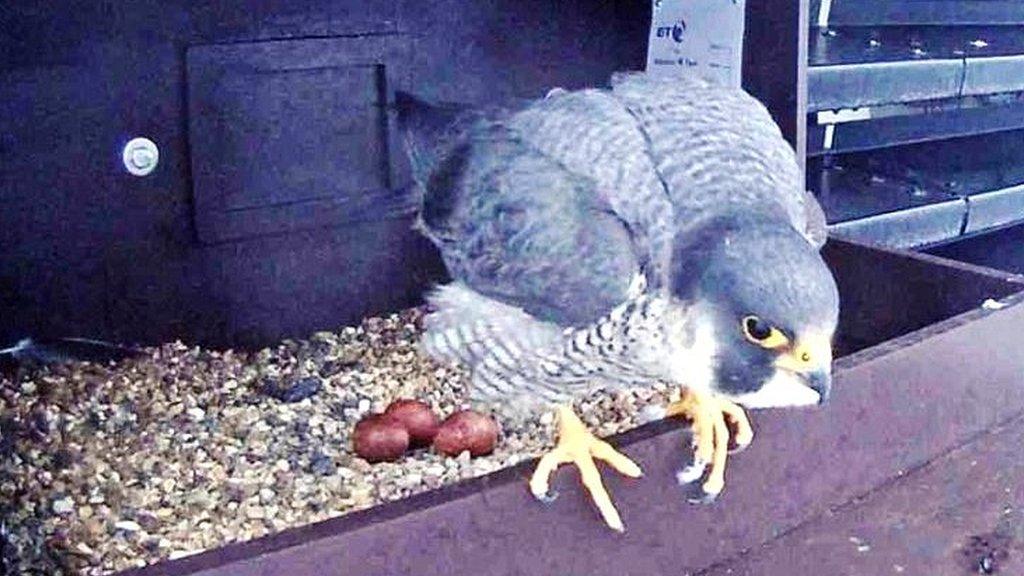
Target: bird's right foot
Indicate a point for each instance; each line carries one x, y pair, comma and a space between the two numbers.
577, 445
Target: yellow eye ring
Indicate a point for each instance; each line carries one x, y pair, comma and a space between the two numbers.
763, 334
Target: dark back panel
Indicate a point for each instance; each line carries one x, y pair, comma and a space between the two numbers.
89, 250
276, 208
288, 135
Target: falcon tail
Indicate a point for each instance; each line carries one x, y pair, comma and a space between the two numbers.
469, 328
427, 131
431, 130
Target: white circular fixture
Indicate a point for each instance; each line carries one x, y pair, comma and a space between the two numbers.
140, 156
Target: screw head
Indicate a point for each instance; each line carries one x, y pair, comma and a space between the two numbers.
140, 156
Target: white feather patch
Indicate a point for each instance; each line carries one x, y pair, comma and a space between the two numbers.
637, 286
783, 389
693, 365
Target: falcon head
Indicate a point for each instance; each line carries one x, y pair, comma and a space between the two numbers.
772, 305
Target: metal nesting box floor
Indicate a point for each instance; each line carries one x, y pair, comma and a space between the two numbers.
912, 468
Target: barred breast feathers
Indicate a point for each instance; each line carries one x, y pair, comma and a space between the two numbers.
515, 357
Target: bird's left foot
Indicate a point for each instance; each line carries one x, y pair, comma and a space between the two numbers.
711, 436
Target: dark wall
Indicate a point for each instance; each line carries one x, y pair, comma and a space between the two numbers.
88, 249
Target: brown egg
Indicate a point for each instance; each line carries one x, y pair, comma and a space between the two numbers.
380, 438
417, 418
467, 430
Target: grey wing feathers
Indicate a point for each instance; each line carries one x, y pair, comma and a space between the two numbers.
430, 130
594, 135
515, 225
546, 214
553, 207
711, 143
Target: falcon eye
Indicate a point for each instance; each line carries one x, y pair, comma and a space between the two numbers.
763, 334
756, 328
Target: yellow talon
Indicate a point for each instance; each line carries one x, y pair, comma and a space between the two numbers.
577, 445
743, 434
707, 415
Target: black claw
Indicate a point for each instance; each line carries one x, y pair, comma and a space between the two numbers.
549, 497
695, 494
693, 471
737, 448
699, 496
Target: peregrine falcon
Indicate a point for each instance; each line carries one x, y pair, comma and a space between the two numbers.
654, 230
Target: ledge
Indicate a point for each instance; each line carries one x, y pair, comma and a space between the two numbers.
898, 404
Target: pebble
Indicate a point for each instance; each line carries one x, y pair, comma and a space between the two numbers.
362, 495
410, 480
323, 465
650, 413
127, 525
292, 392
174, 453
176, 554
63, 506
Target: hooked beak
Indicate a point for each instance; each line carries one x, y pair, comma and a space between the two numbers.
802, 377
821, 382
811, 361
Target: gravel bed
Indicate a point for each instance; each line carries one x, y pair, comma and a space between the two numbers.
104, 468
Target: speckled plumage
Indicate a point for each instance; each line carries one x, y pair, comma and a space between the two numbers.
547, 213
519, 359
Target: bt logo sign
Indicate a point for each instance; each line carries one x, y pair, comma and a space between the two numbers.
675, 32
